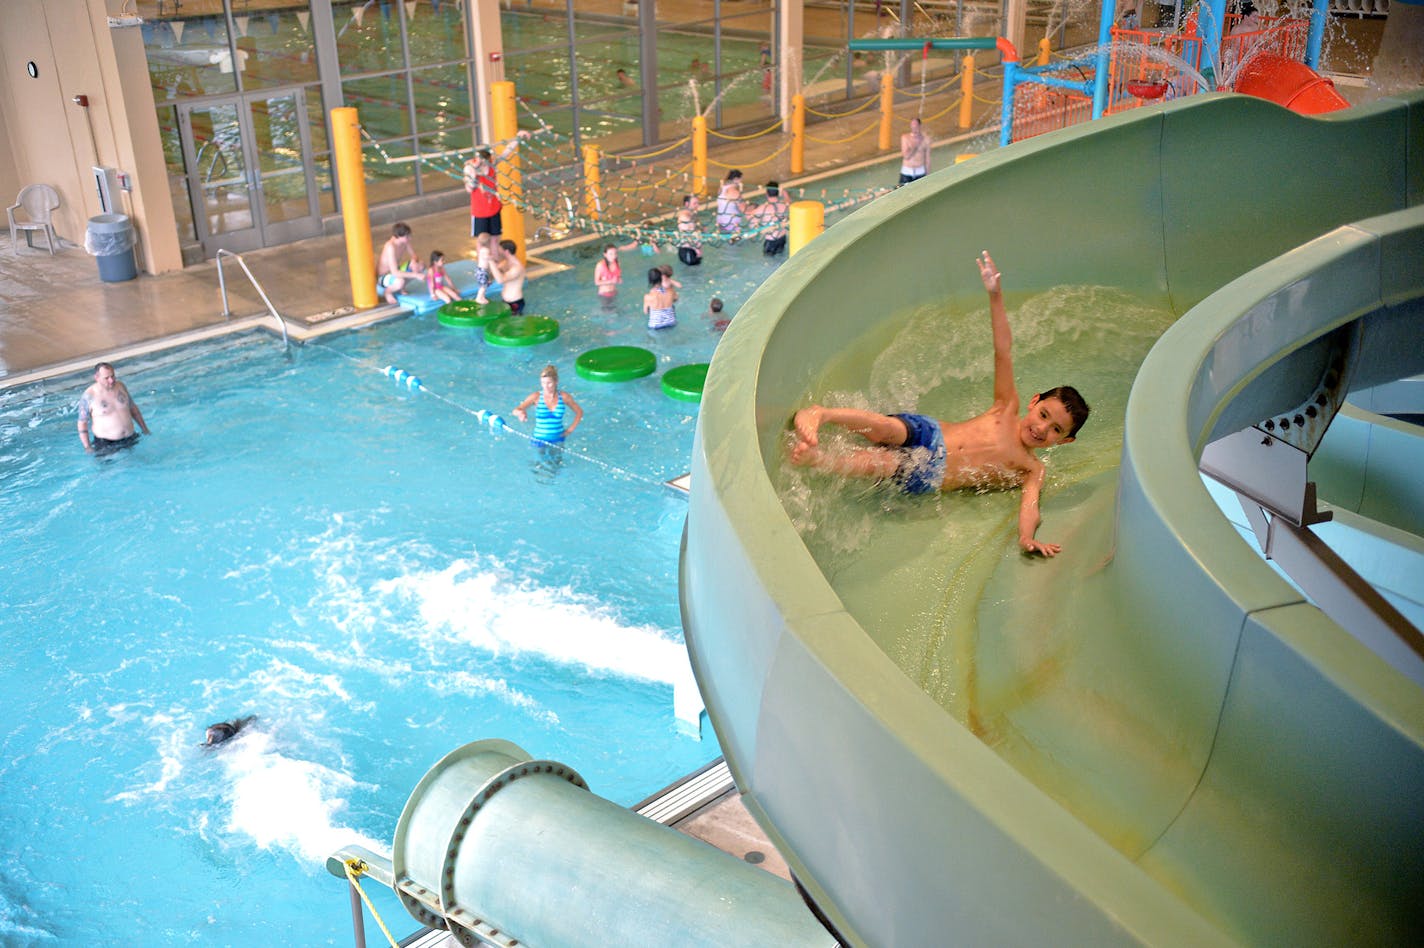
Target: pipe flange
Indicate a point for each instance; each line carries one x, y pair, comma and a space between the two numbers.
528, 768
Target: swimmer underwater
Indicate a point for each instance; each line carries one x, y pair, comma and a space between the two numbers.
996, 450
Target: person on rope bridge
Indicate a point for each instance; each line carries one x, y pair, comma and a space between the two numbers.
771, 218
689, 235
729, 203
482, 183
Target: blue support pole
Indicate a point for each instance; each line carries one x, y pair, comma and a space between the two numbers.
1006, 112
1318, 13
1209, 22
1100, 70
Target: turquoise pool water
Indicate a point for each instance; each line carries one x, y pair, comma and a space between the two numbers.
370, 570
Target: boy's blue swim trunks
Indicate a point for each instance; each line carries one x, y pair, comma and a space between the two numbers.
922, 460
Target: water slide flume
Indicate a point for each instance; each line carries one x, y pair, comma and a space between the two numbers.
1212, 760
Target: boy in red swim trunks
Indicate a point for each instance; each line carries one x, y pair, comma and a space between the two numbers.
994, 450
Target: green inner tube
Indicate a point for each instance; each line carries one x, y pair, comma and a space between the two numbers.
521, 330
685, 382
615, 364
470, 313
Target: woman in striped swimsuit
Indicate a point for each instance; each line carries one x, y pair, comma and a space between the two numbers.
659, 302
550, 407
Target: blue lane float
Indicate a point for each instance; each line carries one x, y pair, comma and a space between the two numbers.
495, 422
402, 377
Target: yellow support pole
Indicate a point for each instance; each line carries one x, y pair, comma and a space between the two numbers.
504, 115
592, 181
699, 155
887, 108
351, 178
966, 92
1044, 48
807, 221
798, 134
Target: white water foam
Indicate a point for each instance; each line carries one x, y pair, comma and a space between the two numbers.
491, 610
287, 803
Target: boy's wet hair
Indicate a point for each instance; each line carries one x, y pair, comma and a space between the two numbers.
666, 269
716, 305
400, 229
772, 189
509, 246
1074, 403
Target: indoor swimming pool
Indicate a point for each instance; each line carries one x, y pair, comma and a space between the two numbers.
370, 570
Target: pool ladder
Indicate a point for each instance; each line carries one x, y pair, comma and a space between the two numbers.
227, 310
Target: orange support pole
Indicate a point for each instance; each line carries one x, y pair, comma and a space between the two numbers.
592, 181
798, 134
505, 118
699, 155
887, 108
355, 217
806, 221
966, 92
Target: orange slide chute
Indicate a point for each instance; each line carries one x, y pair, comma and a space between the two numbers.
1289, 83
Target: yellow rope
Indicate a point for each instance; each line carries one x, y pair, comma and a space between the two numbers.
745, 138
915, 95
947, 109
980, 98
839, 141
743, 164
354, 869
652, 154
835, 115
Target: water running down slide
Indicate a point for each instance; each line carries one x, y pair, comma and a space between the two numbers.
1193, 753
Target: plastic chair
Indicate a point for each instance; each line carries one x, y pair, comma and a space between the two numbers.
38, 201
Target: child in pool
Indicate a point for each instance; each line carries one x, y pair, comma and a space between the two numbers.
994, 450
437, 281
482, 268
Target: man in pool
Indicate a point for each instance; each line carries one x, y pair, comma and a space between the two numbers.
994, 450
224, 731
107, 413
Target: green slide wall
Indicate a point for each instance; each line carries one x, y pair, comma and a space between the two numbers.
1263, 776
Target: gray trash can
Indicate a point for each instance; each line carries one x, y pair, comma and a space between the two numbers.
110, 238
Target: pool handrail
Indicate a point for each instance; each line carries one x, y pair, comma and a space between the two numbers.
222, 288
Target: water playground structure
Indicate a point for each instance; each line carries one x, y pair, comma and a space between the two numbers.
589, 189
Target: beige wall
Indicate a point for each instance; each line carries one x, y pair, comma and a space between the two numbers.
10, 183
49, 139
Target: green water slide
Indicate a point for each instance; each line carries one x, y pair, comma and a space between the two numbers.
1153, 737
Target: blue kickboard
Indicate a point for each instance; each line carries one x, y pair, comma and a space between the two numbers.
418, 300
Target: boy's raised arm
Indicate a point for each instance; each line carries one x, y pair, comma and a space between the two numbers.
1005, 393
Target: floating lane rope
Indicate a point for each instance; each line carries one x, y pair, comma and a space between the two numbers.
403, 377
492, 420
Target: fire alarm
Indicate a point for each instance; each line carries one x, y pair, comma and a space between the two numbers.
496, 56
